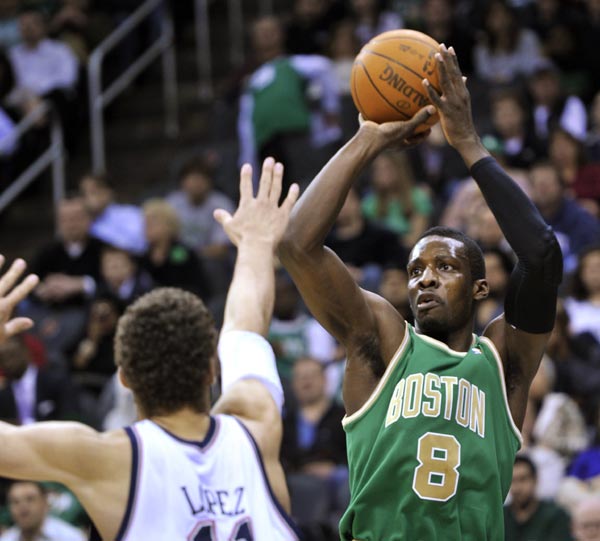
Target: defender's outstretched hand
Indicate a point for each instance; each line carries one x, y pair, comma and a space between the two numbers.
10, 296
260, 218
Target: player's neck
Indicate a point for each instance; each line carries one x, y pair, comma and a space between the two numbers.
460, 340
186, 423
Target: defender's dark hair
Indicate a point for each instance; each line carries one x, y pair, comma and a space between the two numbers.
474, 253
164, 345
524, 459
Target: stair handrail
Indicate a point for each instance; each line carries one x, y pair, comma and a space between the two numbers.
99, 99
53, 156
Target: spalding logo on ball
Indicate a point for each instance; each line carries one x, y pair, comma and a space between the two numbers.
387, 74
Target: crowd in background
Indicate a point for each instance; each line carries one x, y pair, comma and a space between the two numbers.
534, 76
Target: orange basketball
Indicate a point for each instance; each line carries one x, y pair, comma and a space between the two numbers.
387, 74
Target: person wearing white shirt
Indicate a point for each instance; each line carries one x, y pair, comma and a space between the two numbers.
46, 68
28, 504
41, 64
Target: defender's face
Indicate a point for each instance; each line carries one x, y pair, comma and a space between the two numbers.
439, 285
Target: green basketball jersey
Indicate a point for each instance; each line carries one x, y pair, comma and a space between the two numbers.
431, 452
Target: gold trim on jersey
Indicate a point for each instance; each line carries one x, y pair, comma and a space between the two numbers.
386, 375
496, 355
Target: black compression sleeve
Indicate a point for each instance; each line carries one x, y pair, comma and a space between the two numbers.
530, 303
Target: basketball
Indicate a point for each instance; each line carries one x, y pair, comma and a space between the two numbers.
387, 73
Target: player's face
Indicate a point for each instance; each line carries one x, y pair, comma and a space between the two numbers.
522, 488
28, 506
440, 288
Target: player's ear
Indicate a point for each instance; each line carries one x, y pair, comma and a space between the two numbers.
122, 378
481, 289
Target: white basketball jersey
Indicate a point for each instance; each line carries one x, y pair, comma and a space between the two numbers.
214, 490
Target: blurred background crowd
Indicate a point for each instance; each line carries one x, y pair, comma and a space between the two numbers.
533, 71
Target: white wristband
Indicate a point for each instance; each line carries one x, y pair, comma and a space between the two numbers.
247, 355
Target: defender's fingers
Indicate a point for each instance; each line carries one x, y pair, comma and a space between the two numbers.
18, 325
434, 97
221, 216
245, 183
11, 276
277, 182
291, 198
266, 178
453, 64
22, 290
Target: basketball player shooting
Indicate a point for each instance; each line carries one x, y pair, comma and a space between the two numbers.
433, 411
181, 472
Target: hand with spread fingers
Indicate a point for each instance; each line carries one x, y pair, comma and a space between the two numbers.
454, 107
12, 294
260, 219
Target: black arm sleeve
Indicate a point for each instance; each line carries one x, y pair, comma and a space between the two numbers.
530, 303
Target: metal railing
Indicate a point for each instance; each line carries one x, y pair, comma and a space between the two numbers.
53, 156
235, 15
99, 99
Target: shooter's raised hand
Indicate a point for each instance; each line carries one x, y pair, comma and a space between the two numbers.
11, 295
261, 218
454, 104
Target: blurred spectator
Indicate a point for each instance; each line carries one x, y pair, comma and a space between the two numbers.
438, 20
505, 51
33, 393
498, 267
393, 287
519, 146
396, 201
314, 442
195, 202
93, 363
117, 405
436, 163
593, 137
558, 25
586, 520
343, 48
293, 333
552, 107
65, 506
275, 117
583, 477
307, 30
28, 504
46, 68
9, 24
372, 19
169, 262
567, 153
574, 227
578, 376
69, 23
121, 276
69, 267
362, 245
527, 518
583, 305
313, 450
589, 44
121, 226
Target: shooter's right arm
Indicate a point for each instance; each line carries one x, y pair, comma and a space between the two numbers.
327, 287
